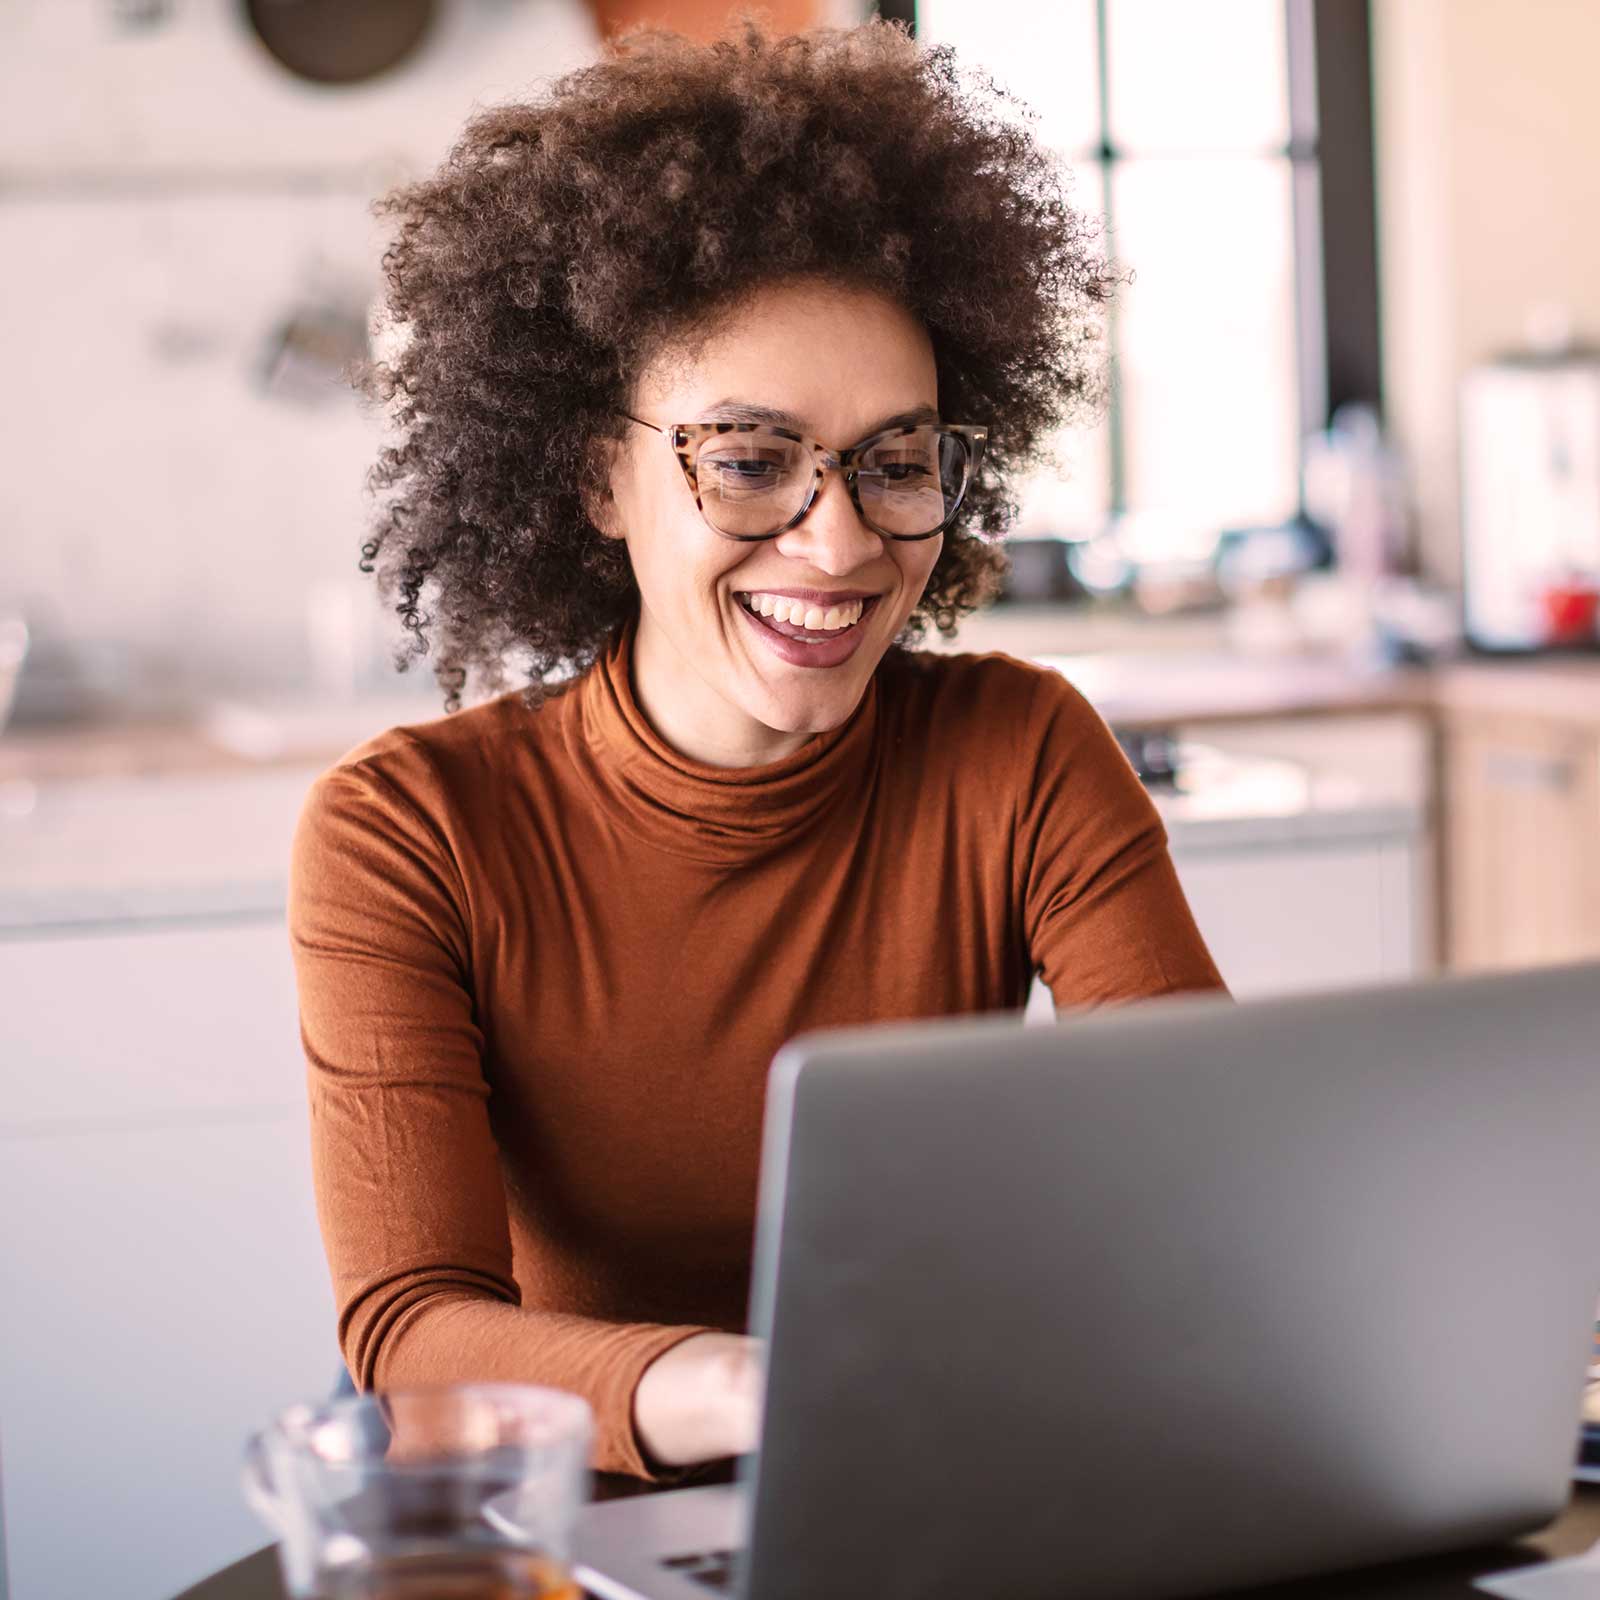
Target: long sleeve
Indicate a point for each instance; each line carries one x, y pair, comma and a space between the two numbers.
1105, 916
410, 1195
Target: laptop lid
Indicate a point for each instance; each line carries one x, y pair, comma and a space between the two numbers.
1175, 1296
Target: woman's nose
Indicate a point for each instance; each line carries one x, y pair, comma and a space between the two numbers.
831, 535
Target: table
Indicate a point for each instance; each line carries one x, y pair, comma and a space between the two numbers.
1431, 1578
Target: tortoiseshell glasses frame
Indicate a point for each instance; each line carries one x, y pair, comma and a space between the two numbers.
687, 437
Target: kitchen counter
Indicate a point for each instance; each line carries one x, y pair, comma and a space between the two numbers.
89, 835
1566, 690
1137, 691
233, 736
216, 844
1228, 800
202, 842
167, 847
1130, 688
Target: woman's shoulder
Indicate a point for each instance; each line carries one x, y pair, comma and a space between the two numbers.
441, 769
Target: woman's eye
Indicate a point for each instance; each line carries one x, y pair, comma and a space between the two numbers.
745, 471
902, 471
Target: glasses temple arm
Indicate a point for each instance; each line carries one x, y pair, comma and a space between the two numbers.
640, 420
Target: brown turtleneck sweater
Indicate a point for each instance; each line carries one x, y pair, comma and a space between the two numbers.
544, 962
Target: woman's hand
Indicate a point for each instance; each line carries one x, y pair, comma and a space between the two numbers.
701, 1399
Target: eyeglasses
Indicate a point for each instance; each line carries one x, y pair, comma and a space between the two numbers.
755, 480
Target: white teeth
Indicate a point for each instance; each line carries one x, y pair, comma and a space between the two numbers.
801, 615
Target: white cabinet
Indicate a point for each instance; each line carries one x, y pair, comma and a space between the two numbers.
1294, 916
162, 1284
150, 1024
1287, 919
1330, 884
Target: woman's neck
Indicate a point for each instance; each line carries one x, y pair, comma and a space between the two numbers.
691, 716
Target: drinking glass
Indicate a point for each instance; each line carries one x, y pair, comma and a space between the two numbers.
462, 1492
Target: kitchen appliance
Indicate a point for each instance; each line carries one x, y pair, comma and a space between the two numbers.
1530, 502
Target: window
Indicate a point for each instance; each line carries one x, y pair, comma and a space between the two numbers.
1221, 145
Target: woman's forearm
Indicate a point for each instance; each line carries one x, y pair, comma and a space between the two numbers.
459, 1338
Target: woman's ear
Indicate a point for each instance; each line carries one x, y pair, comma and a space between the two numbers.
594, 489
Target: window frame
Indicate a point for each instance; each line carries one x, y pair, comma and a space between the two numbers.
1333, 210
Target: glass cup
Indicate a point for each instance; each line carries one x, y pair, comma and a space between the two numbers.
466, 1492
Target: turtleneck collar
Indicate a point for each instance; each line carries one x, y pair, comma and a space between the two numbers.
729, 816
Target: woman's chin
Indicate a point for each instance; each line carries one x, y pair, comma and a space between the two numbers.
813, 711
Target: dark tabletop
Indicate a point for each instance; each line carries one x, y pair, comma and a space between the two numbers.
1432, 1578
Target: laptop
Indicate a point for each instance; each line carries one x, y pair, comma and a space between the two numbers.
1161, 1299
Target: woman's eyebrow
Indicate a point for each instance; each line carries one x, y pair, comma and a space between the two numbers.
741, 411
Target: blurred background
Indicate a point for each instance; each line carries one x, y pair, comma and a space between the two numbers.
1329, 564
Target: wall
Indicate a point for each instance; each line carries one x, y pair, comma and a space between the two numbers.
1487, 122
168, 196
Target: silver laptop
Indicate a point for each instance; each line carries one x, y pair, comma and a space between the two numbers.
1161, 1299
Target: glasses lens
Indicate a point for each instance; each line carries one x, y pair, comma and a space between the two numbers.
911, 482
751, 483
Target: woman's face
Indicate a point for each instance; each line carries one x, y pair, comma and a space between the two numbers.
716, 682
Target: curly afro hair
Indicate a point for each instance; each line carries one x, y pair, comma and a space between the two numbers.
563, 244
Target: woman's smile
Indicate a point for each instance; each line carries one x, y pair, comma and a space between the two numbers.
808, 628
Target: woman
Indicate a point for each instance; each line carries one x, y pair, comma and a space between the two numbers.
714, 369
